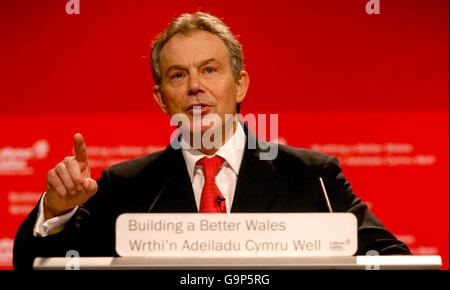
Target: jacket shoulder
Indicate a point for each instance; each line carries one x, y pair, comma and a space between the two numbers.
135, 166
303, 156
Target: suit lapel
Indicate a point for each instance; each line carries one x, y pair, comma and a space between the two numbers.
176, 194
255, 188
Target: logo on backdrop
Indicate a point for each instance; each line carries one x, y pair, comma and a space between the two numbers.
15, 160
22, 202
6, 249
388, 154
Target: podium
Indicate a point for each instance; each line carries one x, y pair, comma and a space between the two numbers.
243, 263
282, 241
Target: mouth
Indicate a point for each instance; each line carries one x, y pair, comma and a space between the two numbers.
199, 108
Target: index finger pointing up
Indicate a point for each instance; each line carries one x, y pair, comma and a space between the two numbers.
80, 148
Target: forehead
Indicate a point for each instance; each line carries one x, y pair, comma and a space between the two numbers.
196, 46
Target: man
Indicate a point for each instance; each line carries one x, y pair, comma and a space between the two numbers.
198, 70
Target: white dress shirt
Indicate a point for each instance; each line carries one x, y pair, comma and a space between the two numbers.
232, 151
54, 225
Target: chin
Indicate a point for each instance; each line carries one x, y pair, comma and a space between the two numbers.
203, 129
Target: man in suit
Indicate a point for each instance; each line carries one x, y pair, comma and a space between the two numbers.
198, 70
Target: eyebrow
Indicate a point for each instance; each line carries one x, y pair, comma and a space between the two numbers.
199, 64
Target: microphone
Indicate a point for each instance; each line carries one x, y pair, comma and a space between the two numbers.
219, 201
325, 195
158, 196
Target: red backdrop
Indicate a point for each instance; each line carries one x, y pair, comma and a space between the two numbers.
370, 89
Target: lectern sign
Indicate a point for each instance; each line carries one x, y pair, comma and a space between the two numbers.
236, 235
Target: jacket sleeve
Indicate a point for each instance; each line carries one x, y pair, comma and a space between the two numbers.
86, 232
372, 235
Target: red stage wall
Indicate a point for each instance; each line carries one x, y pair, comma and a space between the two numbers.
370, 89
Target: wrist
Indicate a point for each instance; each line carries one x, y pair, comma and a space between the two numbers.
50, 212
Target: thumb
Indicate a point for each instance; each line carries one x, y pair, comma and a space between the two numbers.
90, 185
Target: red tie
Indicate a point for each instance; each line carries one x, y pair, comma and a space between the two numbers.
211, 195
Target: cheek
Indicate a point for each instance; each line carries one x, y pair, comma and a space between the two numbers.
173, 100
225, 94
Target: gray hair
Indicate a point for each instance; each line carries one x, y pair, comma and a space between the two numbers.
187, 23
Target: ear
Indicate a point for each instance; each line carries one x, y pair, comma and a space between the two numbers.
159, 98
242, 86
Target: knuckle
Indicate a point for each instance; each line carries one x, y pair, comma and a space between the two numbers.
60, 167
69, 185
50, 174
78, 180
74, 163
53, 180
67, 159
61, 191
56, 183
75, 173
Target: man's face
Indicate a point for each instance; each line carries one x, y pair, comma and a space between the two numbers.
196, 71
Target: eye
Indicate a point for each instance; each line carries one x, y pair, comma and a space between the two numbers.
178, 75
210, 70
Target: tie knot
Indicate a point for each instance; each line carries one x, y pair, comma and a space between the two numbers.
210, 165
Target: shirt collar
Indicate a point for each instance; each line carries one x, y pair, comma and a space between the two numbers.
232, 151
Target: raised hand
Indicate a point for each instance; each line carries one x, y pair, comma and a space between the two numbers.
69, 183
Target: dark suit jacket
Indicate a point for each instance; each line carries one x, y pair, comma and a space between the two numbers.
160, 182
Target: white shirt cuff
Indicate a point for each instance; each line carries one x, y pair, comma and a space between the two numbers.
54, 225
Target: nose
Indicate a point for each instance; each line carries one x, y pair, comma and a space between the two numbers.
195, 85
